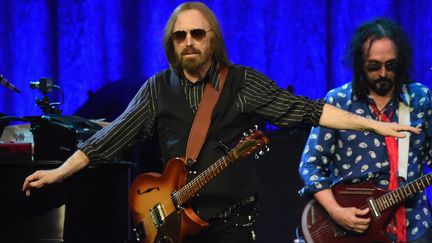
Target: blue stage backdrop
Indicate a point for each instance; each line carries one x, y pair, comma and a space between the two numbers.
85, 44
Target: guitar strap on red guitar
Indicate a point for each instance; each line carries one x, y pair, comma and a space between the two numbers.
202, 118
392, 151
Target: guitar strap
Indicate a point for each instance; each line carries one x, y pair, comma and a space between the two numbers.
403, 143
202, 120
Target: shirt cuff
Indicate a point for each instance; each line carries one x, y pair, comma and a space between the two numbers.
315, 110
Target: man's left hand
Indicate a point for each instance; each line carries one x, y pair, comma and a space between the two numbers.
394, 129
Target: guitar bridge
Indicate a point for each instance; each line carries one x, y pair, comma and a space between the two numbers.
157, 215
376, 214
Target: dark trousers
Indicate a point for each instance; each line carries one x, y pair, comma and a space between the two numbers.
230, 230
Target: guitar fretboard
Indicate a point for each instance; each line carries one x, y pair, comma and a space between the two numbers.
192, 188
394, 197
241, 150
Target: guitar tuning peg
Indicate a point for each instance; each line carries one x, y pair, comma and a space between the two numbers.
267, 148
245, 134
256, 156
255, 127
261, 152
251, 131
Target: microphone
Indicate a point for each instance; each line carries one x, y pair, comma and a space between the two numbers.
45, 85
8, 84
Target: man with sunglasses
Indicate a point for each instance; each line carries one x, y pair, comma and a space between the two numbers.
167, 103
381, 89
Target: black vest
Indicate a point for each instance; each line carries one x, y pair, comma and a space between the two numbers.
174, 119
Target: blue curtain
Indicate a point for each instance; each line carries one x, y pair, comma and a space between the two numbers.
85, 44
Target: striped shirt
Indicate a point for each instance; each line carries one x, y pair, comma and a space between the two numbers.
258, 96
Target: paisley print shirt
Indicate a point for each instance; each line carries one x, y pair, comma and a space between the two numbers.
332, 156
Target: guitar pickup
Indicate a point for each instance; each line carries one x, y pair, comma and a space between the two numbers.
157, 215
376, 214
174, 199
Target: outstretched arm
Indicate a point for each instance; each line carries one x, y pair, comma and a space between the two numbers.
44, 177
334, 117
137, 119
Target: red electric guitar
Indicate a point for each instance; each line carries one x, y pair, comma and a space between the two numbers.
318, 227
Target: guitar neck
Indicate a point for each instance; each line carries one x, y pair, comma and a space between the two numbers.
191, 188
394, 197
244, 148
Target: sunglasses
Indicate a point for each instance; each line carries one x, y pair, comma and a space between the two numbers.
376, 66
197, 34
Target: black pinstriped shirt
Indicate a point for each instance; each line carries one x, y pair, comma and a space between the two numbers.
258, 96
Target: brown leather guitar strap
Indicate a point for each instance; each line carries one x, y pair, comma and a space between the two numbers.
202, 118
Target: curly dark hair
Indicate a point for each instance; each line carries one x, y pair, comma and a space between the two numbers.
355, 54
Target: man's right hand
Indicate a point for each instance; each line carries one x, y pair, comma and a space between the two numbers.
350, 218
41, 178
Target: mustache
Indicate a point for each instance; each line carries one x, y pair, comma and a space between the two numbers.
381, 86
190, 50
383, 80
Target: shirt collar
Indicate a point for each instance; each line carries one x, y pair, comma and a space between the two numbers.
393, 103
404, 95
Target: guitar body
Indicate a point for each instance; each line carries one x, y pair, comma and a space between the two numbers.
318, 227
159, 203
155, 215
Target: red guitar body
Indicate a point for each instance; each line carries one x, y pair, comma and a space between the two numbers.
318, 227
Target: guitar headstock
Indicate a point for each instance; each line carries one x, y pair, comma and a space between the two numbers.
253, 142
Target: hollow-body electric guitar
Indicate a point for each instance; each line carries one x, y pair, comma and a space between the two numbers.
318, 227
159, 203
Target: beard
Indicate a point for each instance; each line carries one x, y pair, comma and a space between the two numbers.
381, 86
193, 65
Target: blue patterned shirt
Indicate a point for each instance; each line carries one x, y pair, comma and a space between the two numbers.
331, 156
